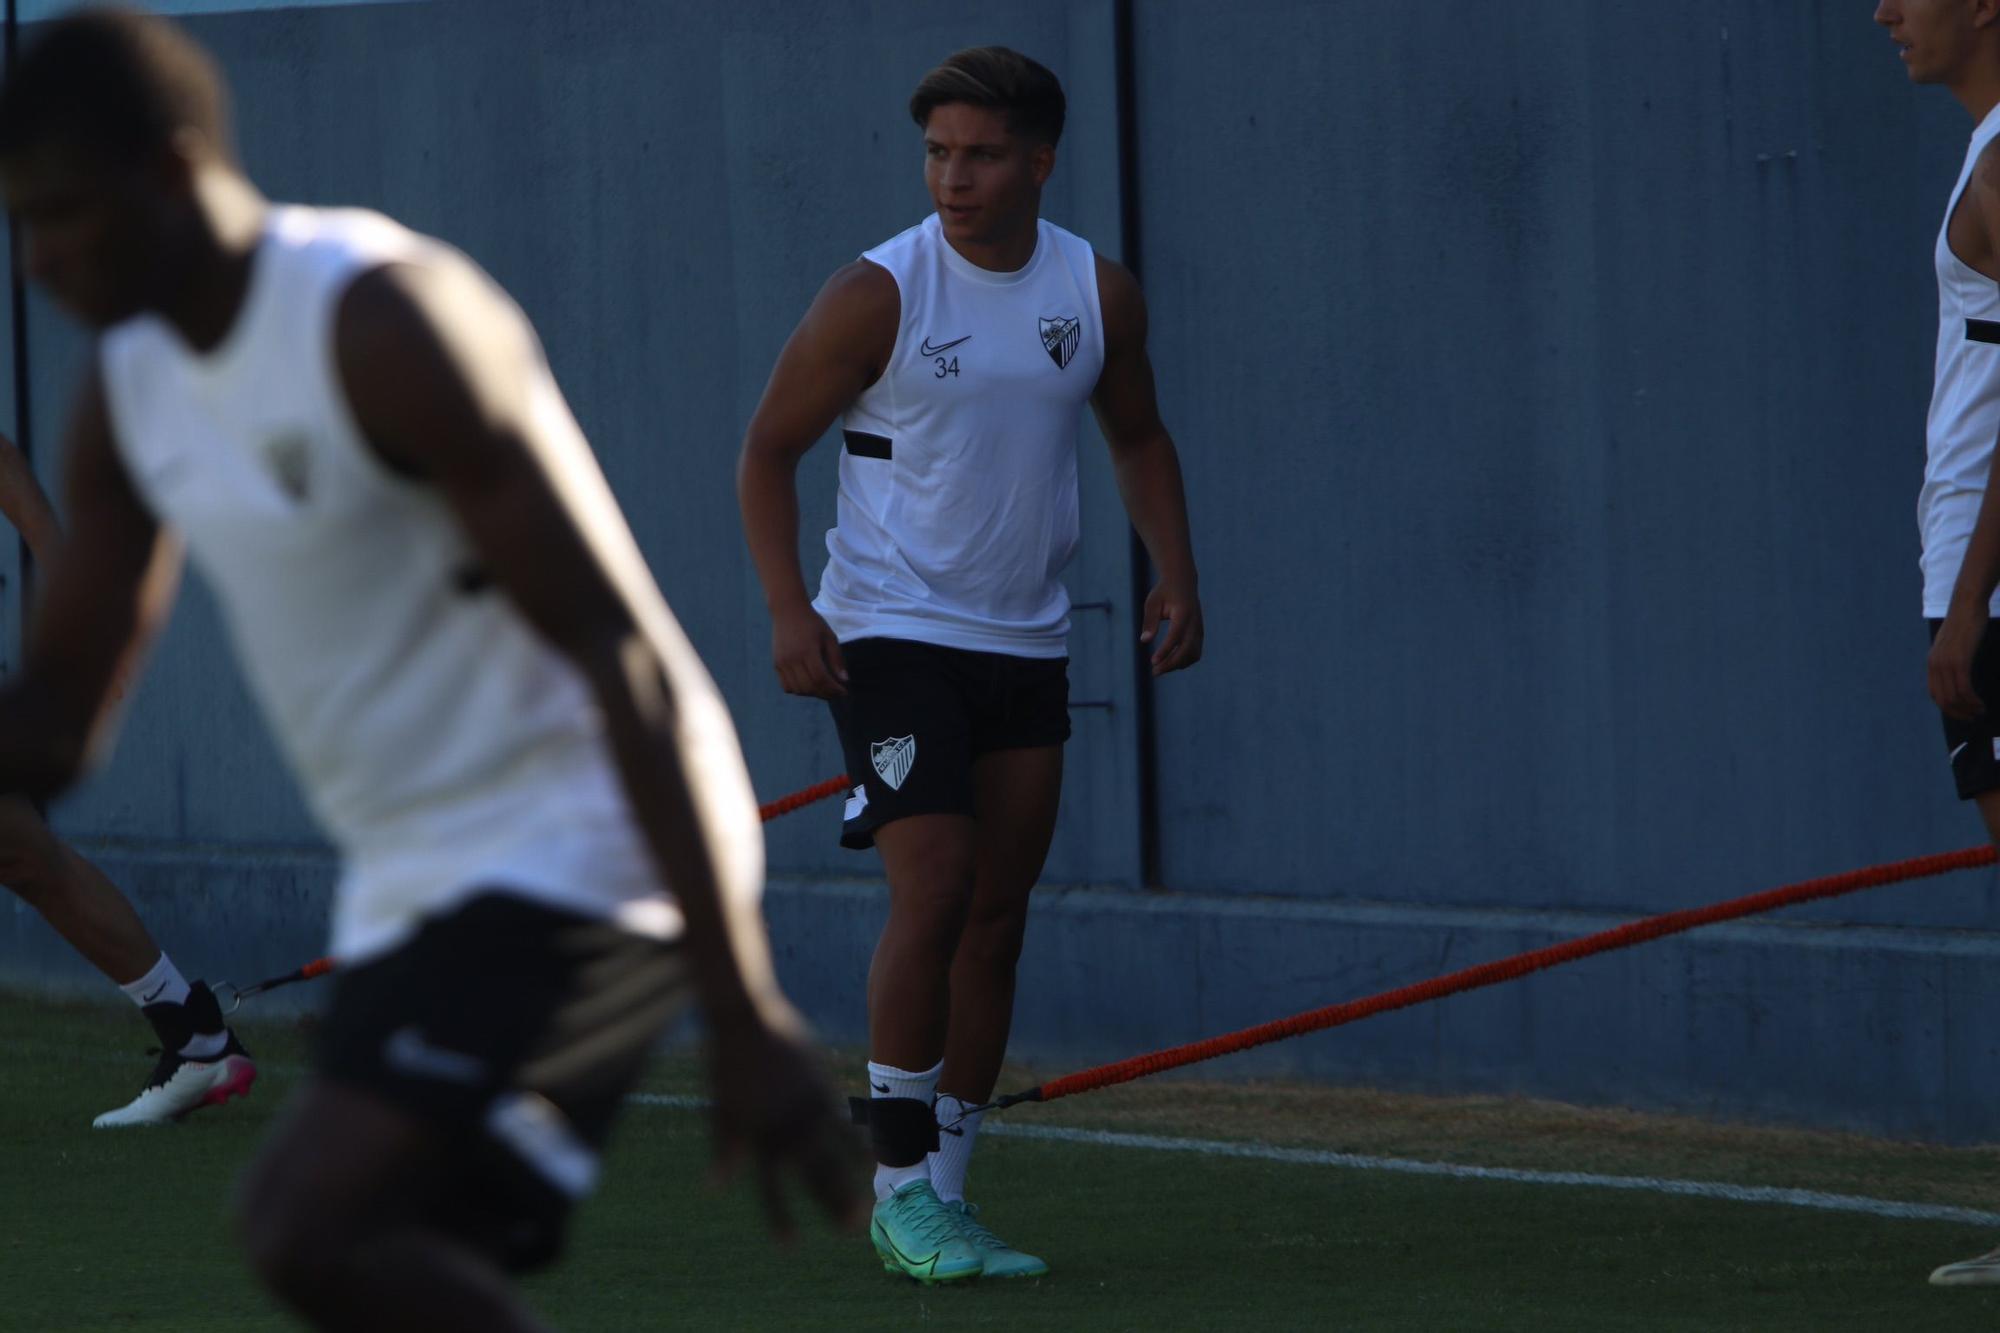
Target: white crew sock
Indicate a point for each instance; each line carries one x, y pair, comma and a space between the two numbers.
956, 1132
884, 1083
163, 985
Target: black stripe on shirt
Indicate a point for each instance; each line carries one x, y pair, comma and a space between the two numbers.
863, 445
1982, 330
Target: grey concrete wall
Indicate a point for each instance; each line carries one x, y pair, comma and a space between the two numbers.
1550, 380
664, 188
1570, 371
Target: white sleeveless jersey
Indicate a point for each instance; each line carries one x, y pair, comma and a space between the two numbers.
1965, 402
958, 501
442, 744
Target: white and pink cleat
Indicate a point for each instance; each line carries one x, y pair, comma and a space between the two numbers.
188, 1077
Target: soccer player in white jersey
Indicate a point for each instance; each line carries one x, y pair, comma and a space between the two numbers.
460, 648
201, 1062
959, 357
1956, 43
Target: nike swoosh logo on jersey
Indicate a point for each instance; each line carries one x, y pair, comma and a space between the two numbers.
1955, 749
942, 348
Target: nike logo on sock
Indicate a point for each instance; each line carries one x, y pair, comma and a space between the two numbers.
882, 1088
156, 993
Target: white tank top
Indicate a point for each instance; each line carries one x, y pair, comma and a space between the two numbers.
958, 502
441, 743
1965, 402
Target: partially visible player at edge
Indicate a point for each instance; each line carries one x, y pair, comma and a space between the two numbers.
959, 356
1957, 43
201, 1062
459, 646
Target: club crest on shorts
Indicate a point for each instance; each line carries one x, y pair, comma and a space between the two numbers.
894, 758
1061, 336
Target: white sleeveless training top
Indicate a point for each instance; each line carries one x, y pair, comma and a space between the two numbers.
1965, 402
958, 502
442, 744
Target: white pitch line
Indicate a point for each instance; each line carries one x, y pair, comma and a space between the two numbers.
1265, 1152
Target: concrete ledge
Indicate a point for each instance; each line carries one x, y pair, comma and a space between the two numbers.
1869, 1028
223, 912
1865, 1028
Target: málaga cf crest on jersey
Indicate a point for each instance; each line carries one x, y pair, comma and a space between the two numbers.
1061, 335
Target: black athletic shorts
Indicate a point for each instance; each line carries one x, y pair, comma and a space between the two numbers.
517, 1029
916, 715
1974, 746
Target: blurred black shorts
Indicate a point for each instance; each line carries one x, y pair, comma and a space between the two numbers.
517, 1029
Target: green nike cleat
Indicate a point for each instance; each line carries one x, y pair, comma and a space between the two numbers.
997, 1258
917, 1235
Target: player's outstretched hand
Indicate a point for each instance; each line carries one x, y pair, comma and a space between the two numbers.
1949, 667
1179, 605
776, 1114
806, 653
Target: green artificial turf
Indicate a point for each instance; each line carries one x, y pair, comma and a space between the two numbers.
127, 1230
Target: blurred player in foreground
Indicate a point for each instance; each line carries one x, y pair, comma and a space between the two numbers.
958, 357
1956, 43
460, 648
201, 1063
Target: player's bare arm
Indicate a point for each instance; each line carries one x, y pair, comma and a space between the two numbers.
1148, 470
838, 350
102, 602
430, 359
1975, 237
25, 504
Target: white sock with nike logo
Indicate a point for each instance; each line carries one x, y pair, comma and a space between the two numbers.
884, 1083
163, 985
956, 1131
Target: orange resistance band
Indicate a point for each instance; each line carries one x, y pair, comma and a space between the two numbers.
799, 800
319, 967
1504, 969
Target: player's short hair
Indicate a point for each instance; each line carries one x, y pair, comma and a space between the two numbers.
997, 77
115, 83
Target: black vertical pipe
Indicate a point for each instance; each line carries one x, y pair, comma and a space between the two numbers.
1129, 240
17, 303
